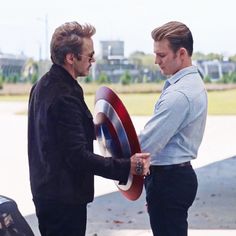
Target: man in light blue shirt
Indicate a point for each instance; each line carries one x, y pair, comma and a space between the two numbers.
174, 133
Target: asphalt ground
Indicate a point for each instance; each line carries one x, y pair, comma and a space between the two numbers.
213, 212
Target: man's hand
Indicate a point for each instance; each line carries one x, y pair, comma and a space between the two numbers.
140, 163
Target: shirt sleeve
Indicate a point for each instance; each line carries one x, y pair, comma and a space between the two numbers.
170, 112
72, 141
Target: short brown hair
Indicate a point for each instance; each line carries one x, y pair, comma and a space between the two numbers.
178, 35
68, 38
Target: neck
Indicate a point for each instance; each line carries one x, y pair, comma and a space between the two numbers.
186, 63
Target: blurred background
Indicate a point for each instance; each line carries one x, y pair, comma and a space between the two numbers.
125, 63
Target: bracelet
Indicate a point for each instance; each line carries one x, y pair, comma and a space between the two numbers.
139, 168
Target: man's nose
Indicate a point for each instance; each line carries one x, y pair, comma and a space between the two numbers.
157, 61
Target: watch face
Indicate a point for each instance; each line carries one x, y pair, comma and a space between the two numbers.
116, 136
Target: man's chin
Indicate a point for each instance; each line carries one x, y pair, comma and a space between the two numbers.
165, 73
85, 74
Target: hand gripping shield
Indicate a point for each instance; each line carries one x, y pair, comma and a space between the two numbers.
116, 136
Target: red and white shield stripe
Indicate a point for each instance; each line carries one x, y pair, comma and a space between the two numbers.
116, 135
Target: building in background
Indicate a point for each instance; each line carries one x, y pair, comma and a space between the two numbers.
112, 62
112, 50
215, 69
12, 64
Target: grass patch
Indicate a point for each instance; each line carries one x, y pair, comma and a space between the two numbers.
222, 102
219, 102
142, 104
91, 88
139, 104
14, 98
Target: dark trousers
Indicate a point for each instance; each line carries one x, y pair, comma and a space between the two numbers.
56, 219
169, 194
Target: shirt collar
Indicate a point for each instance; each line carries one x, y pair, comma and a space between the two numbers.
181, 73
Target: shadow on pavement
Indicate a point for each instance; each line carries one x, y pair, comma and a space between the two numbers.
214, 207
215, 204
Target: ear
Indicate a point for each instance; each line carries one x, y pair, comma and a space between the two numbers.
182, 52
69, 58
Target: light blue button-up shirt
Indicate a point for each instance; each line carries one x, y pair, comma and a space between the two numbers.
175, 131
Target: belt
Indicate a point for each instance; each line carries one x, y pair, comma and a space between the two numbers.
169, 167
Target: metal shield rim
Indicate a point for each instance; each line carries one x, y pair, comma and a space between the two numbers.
107, 94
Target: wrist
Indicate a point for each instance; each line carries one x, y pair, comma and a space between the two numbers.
139, 167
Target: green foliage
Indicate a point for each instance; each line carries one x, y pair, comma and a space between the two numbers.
1, 81
103, 78
34, 78
225, 79
233, 77
228, 78
207, 79
207, 57
126, 78
88, 79
198, 56
233, 58
214, 56
14, 78
140, 59
145, 79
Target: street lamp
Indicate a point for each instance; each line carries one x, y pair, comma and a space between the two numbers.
45, 21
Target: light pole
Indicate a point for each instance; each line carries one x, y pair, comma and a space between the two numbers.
45, 21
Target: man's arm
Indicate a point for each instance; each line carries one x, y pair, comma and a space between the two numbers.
170, 112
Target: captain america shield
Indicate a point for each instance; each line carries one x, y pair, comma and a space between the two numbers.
116, 136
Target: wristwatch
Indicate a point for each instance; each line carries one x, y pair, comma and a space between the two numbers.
139, 168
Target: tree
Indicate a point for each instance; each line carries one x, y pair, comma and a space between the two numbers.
207, 57
198, 56
233, 58
140, 59
31, 71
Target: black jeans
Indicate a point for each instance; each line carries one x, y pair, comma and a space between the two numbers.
56, 219
169, 194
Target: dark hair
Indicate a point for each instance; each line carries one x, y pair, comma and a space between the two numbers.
68, 38
178, 35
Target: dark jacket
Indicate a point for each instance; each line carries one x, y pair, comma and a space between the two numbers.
60, 142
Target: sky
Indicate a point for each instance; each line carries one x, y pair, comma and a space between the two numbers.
27, 25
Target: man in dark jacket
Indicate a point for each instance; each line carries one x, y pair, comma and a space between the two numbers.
60, 138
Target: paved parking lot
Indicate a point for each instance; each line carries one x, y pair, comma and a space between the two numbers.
215, 165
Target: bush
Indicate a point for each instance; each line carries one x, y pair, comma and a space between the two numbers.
233, 77
34, 78
225, 79
88, 79
126, 78
207, 79
103, 79
1, 81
